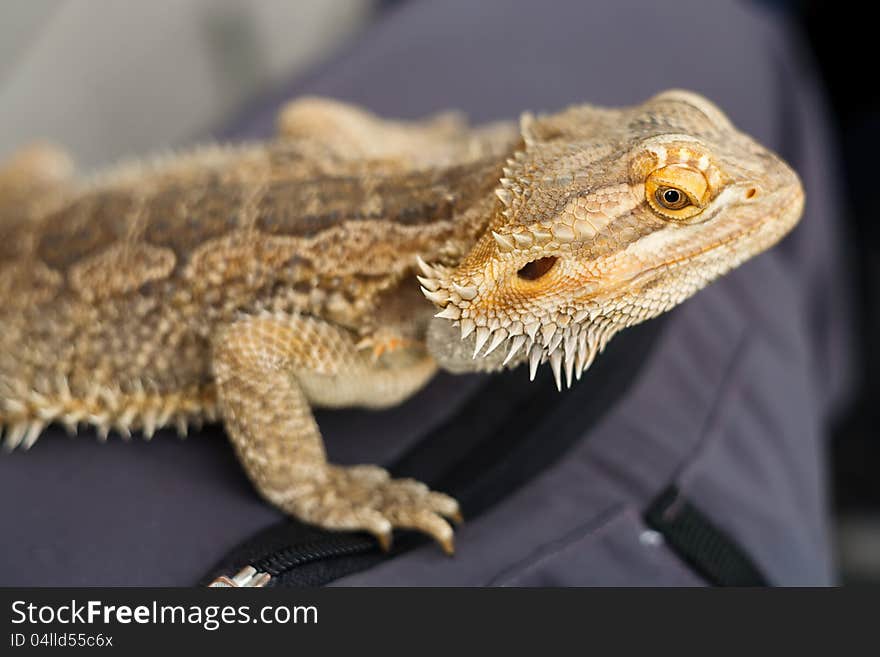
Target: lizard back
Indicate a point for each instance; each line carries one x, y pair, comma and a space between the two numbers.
115, 287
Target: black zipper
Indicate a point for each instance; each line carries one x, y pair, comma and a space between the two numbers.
286, 559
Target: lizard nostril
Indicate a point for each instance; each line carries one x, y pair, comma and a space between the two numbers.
751, 192
535, 269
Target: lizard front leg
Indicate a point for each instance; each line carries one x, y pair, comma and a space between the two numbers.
267, 370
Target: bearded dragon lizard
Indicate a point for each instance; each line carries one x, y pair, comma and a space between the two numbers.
249, 284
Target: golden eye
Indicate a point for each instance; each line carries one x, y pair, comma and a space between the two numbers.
671, 198
677, 192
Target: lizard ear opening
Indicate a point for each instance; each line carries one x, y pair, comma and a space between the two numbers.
535, 269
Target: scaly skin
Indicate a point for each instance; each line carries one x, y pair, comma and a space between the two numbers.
250, 284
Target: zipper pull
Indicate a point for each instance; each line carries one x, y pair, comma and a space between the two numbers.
247, 577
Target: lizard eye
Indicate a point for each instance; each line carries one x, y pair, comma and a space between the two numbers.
671, 198
677, 192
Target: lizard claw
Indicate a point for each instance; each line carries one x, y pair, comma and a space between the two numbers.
367, 498
385, 539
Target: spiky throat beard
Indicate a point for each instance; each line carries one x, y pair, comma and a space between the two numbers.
567, 338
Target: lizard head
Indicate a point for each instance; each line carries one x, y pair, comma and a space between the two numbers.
605, 218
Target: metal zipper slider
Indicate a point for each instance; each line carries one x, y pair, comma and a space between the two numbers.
247, 577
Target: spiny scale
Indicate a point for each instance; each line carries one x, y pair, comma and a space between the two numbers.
515, 345
565, 343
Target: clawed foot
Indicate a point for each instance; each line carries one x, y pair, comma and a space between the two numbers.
365, 497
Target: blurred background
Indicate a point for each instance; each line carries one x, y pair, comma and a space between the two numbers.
152, 75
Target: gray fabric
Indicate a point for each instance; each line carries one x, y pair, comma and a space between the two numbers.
730, 405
